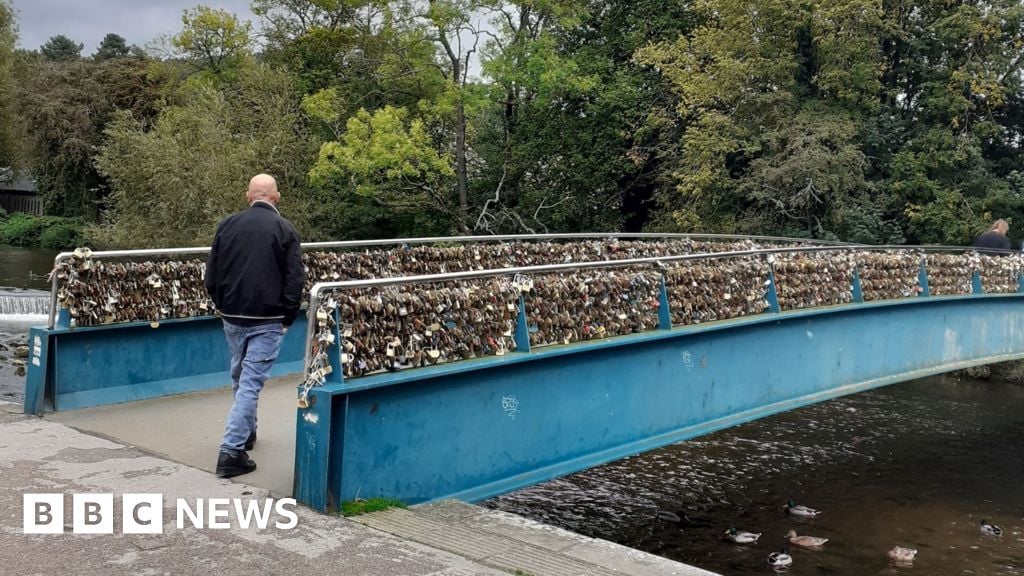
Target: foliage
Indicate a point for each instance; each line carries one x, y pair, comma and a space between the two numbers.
360, 507
60, 48
213, 39
172, 180
8, 125
52, 232
112, 46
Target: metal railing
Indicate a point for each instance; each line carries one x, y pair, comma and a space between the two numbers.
318, 288
342, 244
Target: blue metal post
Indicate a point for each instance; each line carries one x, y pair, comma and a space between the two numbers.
522, 333
63, 318
313, 450
1020, 283
858, 291
922, 279
976, 283
37, 370
664, 313
772, 295
334, 352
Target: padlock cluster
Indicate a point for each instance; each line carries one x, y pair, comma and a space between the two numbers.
889, 275
709, 290
591, 304
809, 280
1001, 274
104, 292
951, 274
409, 326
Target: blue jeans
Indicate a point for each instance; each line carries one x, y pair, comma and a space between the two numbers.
253, 351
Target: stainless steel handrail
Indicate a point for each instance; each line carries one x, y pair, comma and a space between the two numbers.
314, 293
55, 284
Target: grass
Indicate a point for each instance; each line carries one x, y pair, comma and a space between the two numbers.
359, 507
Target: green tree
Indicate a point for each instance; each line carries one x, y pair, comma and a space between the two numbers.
61, 48
112, 46
9, 139
213, 39
173, 179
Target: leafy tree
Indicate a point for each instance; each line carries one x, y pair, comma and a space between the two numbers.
61, 48
8, 122
213, 39
173, 179
112, 46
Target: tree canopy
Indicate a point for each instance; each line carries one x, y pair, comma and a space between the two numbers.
861, 120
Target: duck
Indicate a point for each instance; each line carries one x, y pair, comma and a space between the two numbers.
793, 509
902, 555
805, 541
990, 529
780, 559
740, 536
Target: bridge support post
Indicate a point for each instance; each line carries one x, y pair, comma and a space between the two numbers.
772, 295
63, 318
522, 333
976, 283
857, 290
922, 278
664, 313
313, 471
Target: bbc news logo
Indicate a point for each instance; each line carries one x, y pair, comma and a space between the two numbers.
144, 513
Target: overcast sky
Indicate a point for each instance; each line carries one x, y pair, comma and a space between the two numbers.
88, 21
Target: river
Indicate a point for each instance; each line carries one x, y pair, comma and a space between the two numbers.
24, 301
917, 464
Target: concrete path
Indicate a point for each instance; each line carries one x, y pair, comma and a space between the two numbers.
188, 429
446, 538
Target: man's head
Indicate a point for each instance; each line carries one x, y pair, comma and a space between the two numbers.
1000, 226
263, 187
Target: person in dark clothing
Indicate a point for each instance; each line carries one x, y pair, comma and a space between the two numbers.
254, 276
994, 240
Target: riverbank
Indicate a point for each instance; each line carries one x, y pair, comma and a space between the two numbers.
13, 362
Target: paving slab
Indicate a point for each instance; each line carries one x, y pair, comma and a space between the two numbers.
188, 429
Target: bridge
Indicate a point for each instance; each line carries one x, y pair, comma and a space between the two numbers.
657, 349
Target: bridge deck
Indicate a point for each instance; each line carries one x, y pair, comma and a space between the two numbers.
188, 428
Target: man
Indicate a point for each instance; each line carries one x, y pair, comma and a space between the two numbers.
994, 240
255, 277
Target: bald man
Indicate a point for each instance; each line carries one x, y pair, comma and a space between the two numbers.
254, 276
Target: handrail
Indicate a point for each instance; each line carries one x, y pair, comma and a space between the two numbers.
55, 284
314, 293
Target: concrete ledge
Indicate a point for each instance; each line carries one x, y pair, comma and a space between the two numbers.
518, 545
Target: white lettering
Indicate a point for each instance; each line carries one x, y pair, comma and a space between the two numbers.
195, 517
246, 515
279, 506
214, 512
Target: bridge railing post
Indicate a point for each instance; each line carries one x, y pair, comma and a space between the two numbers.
1020, 283
976, 286
857, 290
522, 332
334, 355
773, 294
664, 312
922, 278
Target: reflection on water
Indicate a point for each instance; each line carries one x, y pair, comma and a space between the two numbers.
917, 464
25, 267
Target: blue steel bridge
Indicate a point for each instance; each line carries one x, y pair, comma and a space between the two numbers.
699, 342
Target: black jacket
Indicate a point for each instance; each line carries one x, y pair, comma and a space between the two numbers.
992, 240
254, 274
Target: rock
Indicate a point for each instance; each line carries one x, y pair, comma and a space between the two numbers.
21, 351
19, 371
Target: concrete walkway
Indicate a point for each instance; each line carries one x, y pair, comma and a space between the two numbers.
446, 538
188, 429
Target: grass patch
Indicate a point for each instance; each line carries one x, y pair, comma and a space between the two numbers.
358, 507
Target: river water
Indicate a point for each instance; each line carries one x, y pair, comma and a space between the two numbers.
917, 464
24, 301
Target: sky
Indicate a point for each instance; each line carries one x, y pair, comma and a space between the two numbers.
88, 21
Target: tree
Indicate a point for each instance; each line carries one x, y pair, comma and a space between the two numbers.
174, 178
61, 48
213, 39
112, 46
8, 122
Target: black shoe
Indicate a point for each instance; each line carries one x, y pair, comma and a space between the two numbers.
251, 441
234, 464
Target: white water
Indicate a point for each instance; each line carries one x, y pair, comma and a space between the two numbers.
27, 305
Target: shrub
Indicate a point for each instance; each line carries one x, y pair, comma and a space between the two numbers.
21, 230
62, 235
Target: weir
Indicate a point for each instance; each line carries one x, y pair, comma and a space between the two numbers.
478, 427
